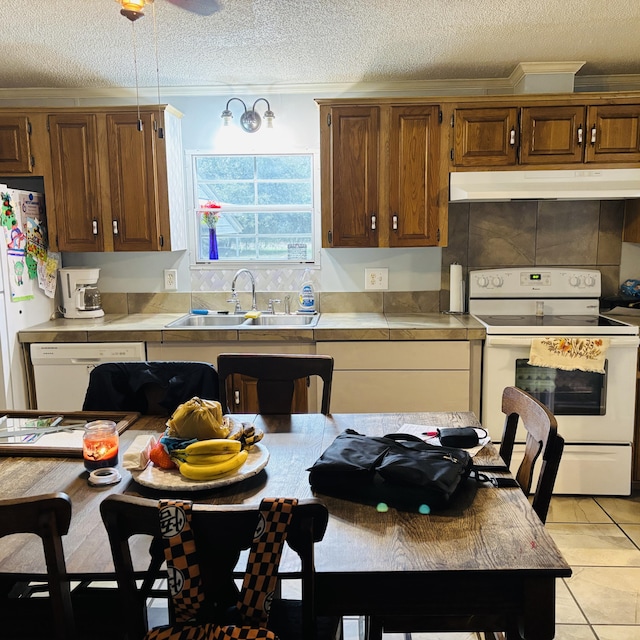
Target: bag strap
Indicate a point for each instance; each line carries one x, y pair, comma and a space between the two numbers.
261, 576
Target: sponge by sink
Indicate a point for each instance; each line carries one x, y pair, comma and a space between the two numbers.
252, 314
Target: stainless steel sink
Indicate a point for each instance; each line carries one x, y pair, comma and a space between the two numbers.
282, 321
196, 321
193, 321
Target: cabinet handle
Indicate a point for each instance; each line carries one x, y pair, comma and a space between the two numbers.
373, 222
593, 134
394, 221
114, 224
236, 397
94, 227
512, 137
580, 134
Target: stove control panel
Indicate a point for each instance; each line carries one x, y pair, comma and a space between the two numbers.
533, 282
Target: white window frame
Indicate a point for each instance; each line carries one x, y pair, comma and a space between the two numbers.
192, 203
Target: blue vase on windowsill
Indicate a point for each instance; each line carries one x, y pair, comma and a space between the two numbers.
213, 244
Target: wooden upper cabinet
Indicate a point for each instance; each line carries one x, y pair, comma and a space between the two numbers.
552, 135
349, 167
613, 133
485, 137
380, 170
132, 178
76, 181
413, 175
15, 145
117, 186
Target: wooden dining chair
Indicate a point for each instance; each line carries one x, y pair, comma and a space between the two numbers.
273, 380
221, 534
542, 444
47, 516
150, 388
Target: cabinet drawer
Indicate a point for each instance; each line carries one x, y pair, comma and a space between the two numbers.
427, 355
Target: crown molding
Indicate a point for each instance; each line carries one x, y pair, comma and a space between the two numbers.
407, 88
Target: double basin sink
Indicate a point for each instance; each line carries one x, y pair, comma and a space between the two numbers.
196, 321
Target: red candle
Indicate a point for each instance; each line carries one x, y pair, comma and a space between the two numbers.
100, 445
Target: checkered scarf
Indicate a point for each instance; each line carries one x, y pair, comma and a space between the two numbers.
259, 582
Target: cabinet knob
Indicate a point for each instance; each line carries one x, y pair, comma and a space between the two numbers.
94, 227
593, 134
236, 397
373, 222
394, 222
114, 224
580, 134
512, 137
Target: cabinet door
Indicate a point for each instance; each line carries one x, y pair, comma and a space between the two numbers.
413, 176
552, 135
132, 177
74, 161
242, 392
485, 137
350, 177
15, 145
613, 134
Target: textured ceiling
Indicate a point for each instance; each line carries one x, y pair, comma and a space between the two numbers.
88, 44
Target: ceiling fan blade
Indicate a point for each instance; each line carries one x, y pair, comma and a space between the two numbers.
201, 7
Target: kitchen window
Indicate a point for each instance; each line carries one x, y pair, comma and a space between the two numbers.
266, 207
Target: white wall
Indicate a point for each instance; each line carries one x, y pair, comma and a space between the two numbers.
296, 128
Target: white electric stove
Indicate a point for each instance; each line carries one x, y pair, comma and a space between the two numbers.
595, 412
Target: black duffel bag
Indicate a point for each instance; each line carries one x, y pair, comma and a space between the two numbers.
399, 470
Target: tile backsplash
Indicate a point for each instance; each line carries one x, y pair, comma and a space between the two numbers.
583, 234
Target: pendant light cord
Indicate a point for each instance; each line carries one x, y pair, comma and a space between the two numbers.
155, 44
135, 67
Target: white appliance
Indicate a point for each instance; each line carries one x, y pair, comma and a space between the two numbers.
61, 371
80, 297
22, 302
595, 412
565, 184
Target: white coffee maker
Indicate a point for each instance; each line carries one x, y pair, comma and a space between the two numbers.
80, 296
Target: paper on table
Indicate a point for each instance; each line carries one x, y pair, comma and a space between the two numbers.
421, 429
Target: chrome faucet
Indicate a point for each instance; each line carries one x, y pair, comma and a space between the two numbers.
234, 294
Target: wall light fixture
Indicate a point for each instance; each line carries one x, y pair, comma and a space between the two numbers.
250, 120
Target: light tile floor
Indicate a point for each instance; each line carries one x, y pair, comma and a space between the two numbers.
600, 538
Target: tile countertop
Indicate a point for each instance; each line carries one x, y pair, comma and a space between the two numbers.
151, 327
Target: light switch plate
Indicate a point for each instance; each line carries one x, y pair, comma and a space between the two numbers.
376, 278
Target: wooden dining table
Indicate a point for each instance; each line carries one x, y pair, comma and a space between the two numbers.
488, 552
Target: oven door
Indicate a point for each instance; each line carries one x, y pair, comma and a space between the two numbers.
589, 407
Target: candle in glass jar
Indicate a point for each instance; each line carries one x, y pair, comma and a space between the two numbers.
100, 444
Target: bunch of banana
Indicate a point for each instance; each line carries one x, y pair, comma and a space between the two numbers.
210, 459
248, 435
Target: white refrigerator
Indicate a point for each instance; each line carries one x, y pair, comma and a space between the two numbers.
26, 272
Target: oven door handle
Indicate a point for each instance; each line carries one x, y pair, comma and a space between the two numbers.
525, 341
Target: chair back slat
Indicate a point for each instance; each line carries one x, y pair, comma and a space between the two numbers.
47, 516
222, 534
543, 443
275, 375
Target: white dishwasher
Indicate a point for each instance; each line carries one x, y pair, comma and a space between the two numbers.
61, 371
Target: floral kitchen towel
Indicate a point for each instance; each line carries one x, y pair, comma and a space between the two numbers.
586, 354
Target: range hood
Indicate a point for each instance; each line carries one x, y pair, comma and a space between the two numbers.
580, 184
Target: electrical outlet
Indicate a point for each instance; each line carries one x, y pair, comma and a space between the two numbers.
170, 279
376, 278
